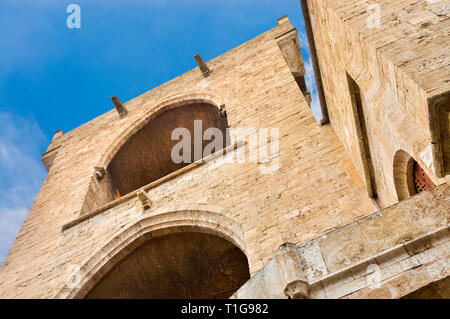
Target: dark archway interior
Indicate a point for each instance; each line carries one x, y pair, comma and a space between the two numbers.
146, 156
179, 265
435, 290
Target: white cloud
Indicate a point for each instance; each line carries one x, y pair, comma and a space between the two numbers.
303, 39
10, 222
21, 173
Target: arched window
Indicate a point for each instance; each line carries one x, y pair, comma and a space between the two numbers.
409, 176
422, 182
148, 154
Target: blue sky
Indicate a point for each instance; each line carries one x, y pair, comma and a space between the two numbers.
53, 77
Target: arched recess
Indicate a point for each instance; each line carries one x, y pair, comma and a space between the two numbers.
403, 175
154, 112
143, 152
146, 156
409, 176
207, 236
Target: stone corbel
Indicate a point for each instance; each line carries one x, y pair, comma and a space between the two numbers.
100, 173
120, 108
202, 65
292, 278
223, 111
144, 198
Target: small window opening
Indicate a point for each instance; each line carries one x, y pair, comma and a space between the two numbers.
422, 182
361, 127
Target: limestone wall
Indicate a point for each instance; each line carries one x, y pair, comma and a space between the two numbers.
388, 254
315, 189
399, 65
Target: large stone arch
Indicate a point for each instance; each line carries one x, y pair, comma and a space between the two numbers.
206, 219
161, 107
140, 153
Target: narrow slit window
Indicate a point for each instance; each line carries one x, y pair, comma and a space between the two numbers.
361, 127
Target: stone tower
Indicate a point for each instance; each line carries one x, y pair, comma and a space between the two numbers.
281, 207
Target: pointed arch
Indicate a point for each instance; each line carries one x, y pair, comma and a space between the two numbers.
205, 219
160, 108
409, 177
403, 175
142, 152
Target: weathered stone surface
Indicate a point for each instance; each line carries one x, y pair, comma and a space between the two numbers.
400, 66
315, 178
317, 197
358, 268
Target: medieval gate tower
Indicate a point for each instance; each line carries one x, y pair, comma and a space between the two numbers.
356, 206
